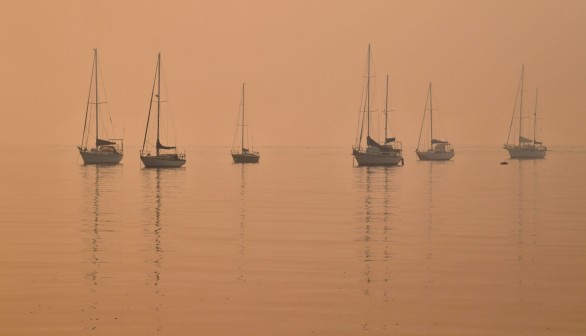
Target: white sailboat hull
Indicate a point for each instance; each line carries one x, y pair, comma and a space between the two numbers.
163, 161
366, 158
518, 152
431, 155
98, 157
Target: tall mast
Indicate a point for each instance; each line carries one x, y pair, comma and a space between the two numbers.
368, 95
431, 113
242, 135
521, 104
96, 85
158, 98
386, 108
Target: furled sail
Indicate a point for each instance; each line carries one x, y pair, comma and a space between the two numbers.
371, 142
436, 141
387, 140
160, 146
523, 139
538, 143
100, 142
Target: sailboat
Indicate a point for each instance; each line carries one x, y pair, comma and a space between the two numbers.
389, 153
107, 150
243, 154
163, 156
433, 149
525, 147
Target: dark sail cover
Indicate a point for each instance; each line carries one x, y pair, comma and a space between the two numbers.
160, 146
387, 140
100, 142
371, 142
524, 139
436, 141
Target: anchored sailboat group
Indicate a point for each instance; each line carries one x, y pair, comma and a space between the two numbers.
389, 152
110, 150
159, 149
431, 146
156, 151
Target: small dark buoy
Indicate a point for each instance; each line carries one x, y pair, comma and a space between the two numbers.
504, 163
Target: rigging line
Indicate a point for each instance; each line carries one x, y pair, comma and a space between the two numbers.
150, 108
438, 121
375, 93
514, 107
358, 138
360, 116
393, 130
97, 115
422, 121
363, 115
431, 113
243, 120
521, 104
158, 100
87, 109
105, 94
368, 94
169, 110
386, 108
535, 117
237, 124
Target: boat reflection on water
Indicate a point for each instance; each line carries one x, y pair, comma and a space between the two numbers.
431, 208
100, 186
242, 234
153, 228
526, 220
376, 227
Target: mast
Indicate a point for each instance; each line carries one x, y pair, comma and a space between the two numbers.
96, 84
431, 113
521, 104
158, 98
242, 135
386, 108
368, 95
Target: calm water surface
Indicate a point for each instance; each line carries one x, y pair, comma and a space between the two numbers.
301, 244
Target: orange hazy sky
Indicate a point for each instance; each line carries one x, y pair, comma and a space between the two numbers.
303, 62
